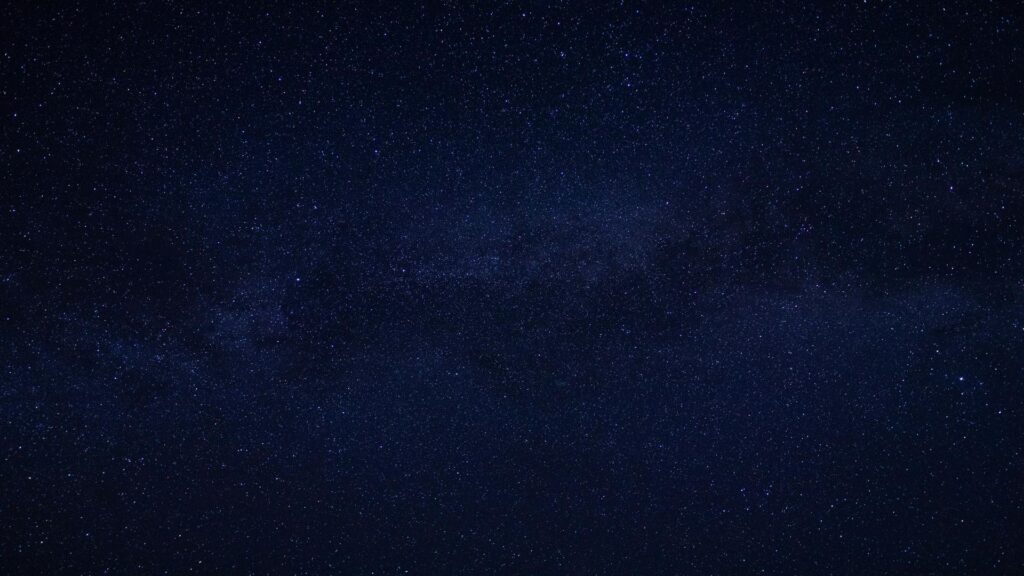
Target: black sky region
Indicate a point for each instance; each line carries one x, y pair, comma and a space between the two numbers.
601, 288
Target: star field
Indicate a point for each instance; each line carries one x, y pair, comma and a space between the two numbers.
511, 288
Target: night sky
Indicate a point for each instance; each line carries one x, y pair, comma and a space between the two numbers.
538, 288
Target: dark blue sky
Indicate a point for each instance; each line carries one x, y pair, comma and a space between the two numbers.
517, 288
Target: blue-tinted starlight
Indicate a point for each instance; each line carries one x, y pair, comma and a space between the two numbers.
511, 288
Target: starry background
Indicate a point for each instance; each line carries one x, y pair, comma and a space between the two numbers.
514, 288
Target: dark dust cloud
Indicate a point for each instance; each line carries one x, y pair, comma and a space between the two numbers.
599, 288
